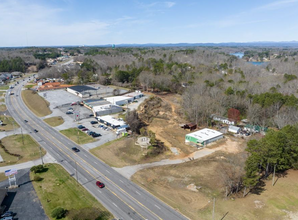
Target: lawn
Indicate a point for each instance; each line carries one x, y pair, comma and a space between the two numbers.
123, 152
59, 189
28, 151
4, 87
36, 103
272, 203
29, 86
54, 121
3, 177
3, 108
9, 123
78, 136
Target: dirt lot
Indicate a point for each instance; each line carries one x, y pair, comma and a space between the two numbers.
123, 152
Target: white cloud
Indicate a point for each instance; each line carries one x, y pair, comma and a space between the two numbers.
276, 5
170, 4
36, 25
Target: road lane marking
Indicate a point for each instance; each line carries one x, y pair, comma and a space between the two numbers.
138, 193
94, 162
99, 191
156, 206
115, 205
65, 148
121, 181
85, 155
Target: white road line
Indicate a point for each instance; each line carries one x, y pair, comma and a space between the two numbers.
85, 155
138, 192
99, 191
121, 181
94, 162
115, 204
156, 206
108, 171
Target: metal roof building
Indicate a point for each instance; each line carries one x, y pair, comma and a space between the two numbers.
82, 91
203, 137
111, 121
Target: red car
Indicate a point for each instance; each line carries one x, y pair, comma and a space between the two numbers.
85, 129
100, 184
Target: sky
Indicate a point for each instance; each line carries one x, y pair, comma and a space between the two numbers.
101, 22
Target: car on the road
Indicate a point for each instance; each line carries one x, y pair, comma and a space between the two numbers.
35, 130
75, 149
81, 126
7, 214
100, 184
25, 121
93, 122
85, 129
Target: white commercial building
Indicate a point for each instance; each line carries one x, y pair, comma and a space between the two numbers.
111, 121
135, 95
106, 109
203, 137
119, 100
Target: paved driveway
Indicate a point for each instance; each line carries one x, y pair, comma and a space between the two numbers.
23, 200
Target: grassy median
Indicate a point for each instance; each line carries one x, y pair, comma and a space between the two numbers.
8, 123
78, 136
19, 149
58, 189
54, 121
38, 105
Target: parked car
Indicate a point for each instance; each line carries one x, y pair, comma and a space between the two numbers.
93, 122
7, 214
96, 135
90, 132
74, 103
75, 149
85, 129
9, 217
25, 121
100, 126
81, 126
35, 130
69, 113
100, 184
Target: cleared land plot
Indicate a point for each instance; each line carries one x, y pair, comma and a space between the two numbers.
59, 189
36, 103
14, 144
9, 123
3, 108
54, 121
272, 203
123, 152
78, 136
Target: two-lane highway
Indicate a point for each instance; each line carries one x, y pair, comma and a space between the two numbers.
123, 198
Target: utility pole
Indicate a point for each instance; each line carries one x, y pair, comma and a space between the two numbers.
41, 155
213, 208
273, 175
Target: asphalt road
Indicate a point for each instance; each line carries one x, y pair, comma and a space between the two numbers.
123, 198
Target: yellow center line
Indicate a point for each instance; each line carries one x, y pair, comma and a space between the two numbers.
94, 170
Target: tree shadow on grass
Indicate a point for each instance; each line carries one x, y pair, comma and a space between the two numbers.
259, 188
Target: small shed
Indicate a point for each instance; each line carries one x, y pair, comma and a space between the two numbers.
190, 126
234, 129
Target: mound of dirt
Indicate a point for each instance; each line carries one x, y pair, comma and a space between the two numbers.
154, 107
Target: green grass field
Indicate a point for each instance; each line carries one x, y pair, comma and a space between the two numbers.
3, 108
28, 151
54, 121
9, 123
59, 189
78, 136
36, 103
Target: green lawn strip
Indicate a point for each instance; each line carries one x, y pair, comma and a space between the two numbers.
54, 121
4, 87
59, 189
29, 86
78, 136
38, 105
3, 108
14, 144
8, 123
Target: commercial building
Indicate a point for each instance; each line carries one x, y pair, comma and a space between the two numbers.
82, 91
203, 137
107, 109
135, 95
120, 100
111, 121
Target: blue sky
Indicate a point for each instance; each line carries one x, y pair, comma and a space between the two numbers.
97, 22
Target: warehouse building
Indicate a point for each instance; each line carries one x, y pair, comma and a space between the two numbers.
82, 91
203, 137
234, 129
120, 100
135, 95
107, 109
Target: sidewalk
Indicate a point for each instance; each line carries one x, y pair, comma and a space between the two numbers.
46, 159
